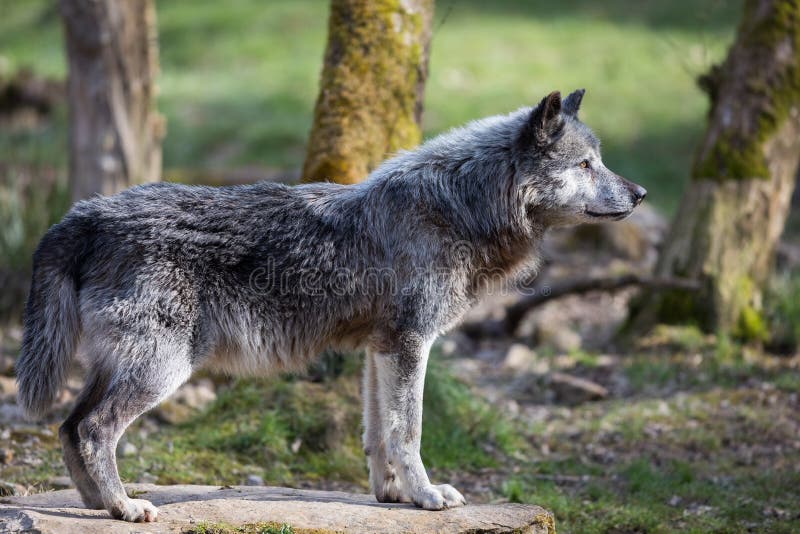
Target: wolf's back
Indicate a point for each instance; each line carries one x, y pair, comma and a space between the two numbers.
51, 320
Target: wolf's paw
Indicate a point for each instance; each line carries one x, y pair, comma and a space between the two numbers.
135, 511
452, 497
438, 497
429, 498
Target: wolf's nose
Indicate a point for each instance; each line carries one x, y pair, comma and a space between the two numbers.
639, 193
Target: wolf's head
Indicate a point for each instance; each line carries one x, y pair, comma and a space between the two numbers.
560, 170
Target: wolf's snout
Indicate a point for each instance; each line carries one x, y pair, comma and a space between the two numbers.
639, 193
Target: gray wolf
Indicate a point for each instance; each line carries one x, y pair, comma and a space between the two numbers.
148, 285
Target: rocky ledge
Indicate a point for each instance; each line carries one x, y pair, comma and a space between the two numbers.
196, 508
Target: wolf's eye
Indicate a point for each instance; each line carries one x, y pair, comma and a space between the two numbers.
584, 164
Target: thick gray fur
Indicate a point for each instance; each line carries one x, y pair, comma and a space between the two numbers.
153, 283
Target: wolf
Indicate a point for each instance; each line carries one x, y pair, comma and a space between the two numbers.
146, 286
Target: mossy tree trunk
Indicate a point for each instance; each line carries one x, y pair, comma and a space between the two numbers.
115, 132
734, 209
371, 88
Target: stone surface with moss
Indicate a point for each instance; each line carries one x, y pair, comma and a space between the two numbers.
267, 510
370, 99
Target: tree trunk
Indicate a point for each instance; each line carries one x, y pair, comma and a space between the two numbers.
734, 209
115, 132
371, 89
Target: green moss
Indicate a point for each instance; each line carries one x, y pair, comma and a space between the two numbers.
369, 102
751, 326
683, 307
545, 520
265, 527
738, 154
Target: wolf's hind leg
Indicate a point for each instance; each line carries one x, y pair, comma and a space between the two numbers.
383, 481
142, 380
93, 391
400, 377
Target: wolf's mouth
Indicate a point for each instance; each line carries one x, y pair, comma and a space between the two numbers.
613, 215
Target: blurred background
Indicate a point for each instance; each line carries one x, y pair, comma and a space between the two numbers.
597, 405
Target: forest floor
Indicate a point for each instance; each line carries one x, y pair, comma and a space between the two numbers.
692, 434
679, 431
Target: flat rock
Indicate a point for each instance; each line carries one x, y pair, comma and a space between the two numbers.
183, 507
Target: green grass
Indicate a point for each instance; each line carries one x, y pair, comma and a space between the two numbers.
705, 443
692, 445
644, 495
238, 79
287, 430
695, 462
206, 527
704, 440
460, 430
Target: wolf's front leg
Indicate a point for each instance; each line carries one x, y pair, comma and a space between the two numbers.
383, 481
400, 378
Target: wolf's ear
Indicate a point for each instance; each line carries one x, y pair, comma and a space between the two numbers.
547, 110
572, 103
544, 121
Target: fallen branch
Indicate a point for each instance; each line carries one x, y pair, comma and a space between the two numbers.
517, 311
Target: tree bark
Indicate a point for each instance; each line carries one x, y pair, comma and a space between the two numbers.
371, 89
734, 209
115, 132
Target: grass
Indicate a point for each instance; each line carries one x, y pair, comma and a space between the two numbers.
706, 443
290, 430
704, 438
238, 81
206, 527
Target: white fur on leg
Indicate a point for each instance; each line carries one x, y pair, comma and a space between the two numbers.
383, 481
400, 380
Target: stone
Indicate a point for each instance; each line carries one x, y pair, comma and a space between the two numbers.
183, 507
519, 358
8, 386
253, 480
7, 365
559, 337
172, 412
61, 482
573, 390
11, 413
198, 395
126, 448
147, 478
187, 401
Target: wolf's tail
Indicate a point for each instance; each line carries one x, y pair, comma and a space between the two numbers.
51, 320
